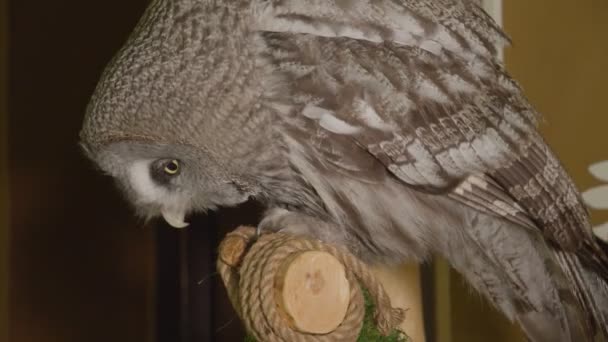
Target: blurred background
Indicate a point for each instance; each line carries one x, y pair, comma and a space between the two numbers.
76, 266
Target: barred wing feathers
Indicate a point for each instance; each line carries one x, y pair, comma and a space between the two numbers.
416, 84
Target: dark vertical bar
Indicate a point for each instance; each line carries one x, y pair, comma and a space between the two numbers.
168, 289
185, 267
201, 271
184, 285
192, 304
4, 211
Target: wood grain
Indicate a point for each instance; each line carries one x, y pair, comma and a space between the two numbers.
313, 292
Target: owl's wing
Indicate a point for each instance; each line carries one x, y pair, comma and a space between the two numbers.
460, 26
416, 85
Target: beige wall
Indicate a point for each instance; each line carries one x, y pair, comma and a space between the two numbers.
3, 173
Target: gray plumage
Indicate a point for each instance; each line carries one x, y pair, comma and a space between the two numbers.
387, 126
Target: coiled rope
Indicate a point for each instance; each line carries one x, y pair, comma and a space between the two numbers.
248, 267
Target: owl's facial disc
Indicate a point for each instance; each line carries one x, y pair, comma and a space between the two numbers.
172, 180
156, 182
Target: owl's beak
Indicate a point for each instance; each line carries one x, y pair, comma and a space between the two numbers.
174, 218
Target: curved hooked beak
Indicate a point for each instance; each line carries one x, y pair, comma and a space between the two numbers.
175, 218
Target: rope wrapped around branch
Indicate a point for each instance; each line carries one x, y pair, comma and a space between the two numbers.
249, 268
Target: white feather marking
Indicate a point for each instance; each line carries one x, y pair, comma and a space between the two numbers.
400, 172
425, 163
328, 121
268, 21
315, 112
515, 119
460, 161
572, 197
173, 204
351, 32
502, 147
404, 38
405, 29
431, 46
550, 173
532, 188
449, 165
551, 213
335, 125
470, 156
404, 22
464, 187
430, 90
369, 115
507, 129
139, 175
297, 69
408, 171
457, 84
447, 40
479, 67
479, 182
491, 148
504, 209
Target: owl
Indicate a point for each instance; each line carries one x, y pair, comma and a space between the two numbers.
388, 127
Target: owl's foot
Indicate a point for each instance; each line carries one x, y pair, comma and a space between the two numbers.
290, 222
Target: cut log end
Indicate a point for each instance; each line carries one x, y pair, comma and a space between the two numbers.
233, 247
313, 292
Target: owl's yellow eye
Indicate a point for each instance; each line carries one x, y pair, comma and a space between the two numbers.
172, 167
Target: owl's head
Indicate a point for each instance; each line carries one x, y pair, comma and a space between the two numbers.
171, 180
166, 101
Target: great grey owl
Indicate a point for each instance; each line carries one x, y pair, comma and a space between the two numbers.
386, 126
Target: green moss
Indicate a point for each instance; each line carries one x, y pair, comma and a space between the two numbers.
369, 333
249, 338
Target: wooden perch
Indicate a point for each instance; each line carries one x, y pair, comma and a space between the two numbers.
313, 292
288, 288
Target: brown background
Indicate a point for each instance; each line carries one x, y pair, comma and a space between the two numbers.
82, 269
3, 173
